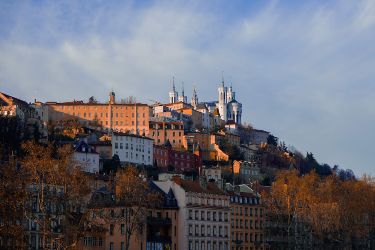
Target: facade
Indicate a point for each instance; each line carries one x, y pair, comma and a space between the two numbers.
163, 131
247, 219
87, 157
180, 160
104, 149
123, 117
213, 173
246, 171
132, 148
203, 214
258, 136
41, 114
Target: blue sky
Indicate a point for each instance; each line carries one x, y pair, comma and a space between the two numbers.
303, 70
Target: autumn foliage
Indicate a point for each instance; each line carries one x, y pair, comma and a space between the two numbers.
331, 209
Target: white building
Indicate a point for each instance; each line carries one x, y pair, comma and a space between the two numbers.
87, 157
213, 173
204, 215
133, 148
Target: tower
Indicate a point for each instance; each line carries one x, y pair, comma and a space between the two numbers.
182, 98
230, 94
222, 104
194, 99
112, 97
173, 95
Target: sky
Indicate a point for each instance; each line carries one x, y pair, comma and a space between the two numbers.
303, 70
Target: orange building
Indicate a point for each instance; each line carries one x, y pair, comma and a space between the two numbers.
163, 131
133, 117
247, 219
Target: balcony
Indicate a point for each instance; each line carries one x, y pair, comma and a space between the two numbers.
154, 221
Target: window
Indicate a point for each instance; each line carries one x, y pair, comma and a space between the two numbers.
202, 215
122, 229
111, 228
190, 229
111, 246
190, 245
122, 245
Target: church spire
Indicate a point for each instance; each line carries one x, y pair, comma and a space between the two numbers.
222, 78
174, 88
194, 98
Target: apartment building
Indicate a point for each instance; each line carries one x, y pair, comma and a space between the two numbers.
123, 117
162, 131
204, 215
132, 148
247, 219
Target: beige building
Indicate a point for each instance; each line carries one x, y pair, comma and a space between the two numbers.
204, 219
163, 131
123, 117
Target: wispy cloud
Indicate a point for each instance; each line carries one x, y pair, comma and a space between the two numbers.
303, 71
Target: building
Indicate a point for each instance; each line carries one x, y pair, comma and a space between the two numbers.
229, 108
204, 219
123, 117
87, 157
104, 149
247, 218
131, 148
167, 158
212, 173
41, 114
246, 172
258, 136
162, 222
162, 131
18, 120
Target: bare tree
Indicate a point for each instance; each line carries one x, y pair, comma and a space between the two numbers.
56, 191
129, 100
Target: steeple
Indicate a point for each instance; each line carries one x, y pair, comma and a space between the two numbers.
173, 95
182, 98
194, 98
174, 88
222, 78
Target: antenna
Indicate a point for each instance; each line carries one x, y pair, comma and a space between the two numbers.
222, 76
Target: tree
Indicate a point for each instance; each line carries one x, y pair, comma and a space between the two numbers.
56, 188
12, 196
335, 212
129, 100
272, 140
92, 99
134, 195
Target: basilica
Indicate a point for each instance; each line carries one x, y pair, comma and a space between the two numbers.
227, 105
